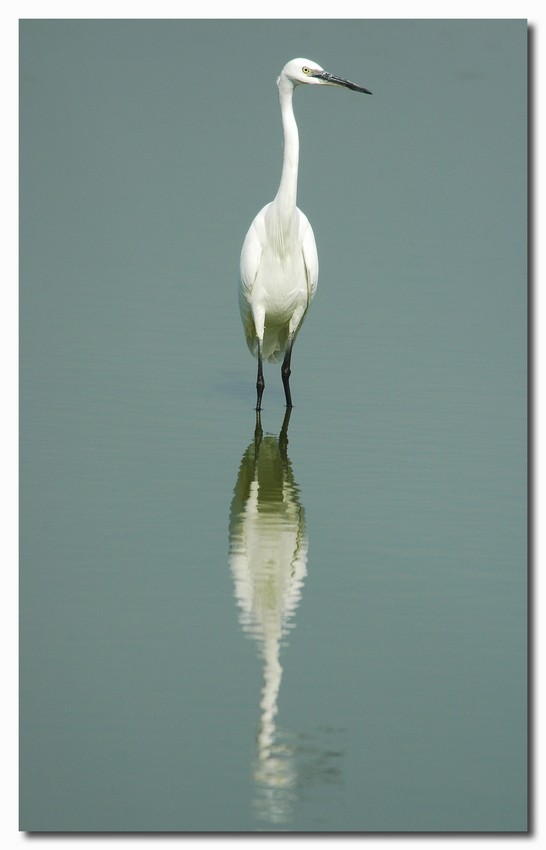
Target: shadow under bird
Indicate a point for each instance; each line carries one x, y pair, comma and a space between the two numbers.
279, 262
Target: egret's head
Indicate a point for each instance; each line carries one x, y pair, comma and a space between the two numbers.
304, 71
301, 71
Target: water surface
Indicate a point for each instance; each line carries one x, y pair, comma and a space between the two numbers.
305, 624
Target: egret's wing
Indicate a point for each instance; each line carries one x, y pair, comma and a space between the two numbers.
251, 256
310, 256
250, 261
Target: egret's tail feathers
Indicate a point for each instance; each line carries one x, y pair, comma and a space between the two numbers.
274, 344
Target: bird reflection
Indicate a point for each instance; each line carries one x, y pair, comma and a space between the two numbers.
268, 559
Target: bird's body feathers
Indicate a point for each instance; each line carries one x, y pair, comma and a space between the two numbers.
278, 279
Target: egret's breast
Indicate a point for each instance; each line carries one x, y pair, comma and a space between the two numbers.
281, 285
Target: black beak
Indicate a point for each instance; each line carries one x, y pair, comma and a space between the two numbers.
333, 80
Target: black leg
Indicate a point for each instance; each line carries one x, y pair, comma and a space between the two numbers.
260, 383
285, 372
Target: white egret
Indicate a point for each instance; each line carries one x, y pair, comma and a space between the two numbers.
279, 262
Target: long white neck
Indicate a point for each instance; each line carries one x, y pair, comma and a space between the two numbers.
285, 200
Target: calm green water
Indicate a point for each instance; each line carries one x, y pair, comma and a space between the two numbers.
315, 625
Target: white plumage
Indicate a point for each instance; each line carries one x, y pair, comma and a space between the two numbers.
279, 274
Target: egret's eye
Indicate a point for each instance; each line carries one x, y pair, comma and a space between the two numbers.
306, 70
